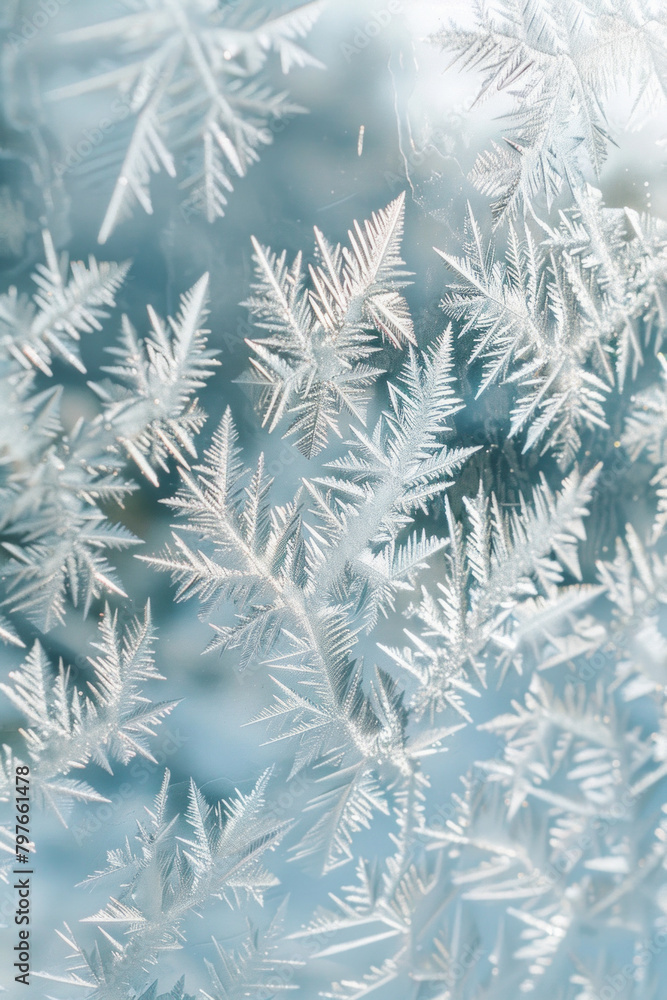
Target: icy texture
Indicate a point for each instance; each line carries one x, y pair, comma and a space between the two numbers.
439, 605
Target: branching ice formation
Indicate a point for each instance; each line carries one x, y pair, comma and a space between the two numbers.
58, 484
451, 621
191, 76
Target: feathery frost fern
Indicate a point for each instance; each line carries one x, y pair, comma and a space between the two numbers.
189, 76
562, 64
70, 728
565, 318
172, 875
57, 483
312, 365
449, 641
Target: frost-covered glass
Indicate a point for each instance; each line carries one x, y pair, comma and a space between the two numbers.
333, 461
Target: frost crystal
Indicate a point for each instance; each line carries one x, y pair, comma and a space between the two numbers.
189, 74
313, 364
425, 757
58, 483
562, 63
70, 728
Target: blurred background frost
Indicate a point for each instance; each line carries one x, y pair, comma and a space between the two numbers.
384, 116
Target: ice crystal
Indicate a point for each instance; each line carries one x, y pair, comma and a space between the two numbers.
189, 74
313, 364
562, 63
440, 605
57, 483
70, 728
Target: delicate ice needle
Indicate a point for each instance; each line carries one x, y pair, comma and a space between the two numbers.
360, 140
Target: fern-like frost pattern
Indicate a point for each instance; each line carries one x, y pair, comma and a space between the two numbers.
438, 605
